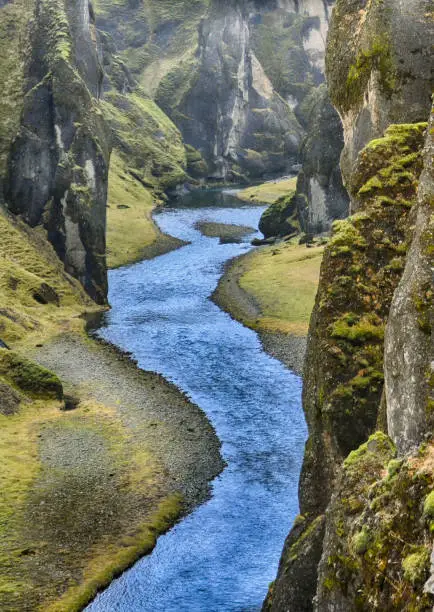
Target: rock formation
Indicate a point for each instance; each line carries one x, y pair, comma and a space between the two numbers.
231, 75
379, 68
370, 344
321, 197
58, 159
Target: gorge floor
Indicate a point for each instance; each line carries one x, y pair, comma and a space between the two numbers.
225, 553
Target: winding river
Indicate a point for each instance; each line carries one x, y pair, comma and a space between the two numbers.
222, 557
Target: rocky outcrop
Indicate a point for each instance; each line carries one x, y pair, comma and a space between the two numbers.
377, 544
321, 197
58, 160
379, 68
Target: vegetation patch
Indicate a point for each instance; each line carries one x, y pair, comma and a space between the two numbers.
29, 377
273, 288
27, 263
379, 551
225, 231
268, 193
132, 234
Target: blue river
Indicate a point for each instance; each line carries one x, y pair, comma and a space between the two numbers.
222, 557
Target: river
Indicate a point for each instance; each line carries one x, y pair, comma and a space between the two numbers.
222, 556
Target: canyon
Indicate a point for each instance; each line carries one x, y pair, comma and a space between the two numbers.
112, 112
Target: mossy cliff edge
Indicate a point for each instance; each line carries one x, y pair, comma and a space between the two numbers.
364, 540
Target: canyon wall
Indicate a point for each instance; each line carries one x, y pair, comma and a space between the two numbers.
370, 342
55, 144
230, 75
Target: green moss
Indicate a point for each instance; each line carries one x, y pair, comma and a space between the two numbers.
358, 330
379, 446
146, 139
346, 237
416, 565
29, 377
280, 218
393, 467
361, 541
376, 56
428, 506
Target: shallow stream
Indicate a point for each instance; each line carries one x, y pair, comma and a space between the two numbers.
222, 557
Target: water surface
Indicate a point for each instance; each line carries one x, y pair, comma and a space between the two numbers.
222, 557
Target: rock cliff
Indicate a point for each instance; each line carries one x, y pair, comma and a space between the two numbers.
55, 140
320, 197
363, 538
231, 75
379, 68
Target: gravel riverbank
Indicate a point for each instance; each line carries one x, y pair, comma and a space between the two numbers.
128, 458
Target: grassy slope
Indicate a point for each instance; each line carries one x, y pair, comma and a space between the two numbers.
132, 234
27, 261
267, 193
149, 157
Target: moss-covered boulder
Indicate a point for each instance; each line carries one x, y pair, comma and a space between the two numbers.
377, 544
280, 219
28, 377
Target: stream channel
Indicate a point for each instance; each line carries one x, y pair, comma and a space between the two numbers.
222, 557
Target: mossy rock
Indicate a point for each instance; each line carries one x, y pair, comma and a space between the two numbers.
29, 377
280, 218
377, 551
416, 566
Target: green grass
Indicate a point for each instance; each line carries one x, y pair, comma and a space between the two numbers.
268, 193
27, 261
29, 377
129, 217
50, 507
283, 281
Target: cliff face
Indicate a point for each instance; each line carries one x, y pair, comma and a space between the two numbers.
57, 142
378, 539
370, 344
379, 68
321, 197
231, 75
